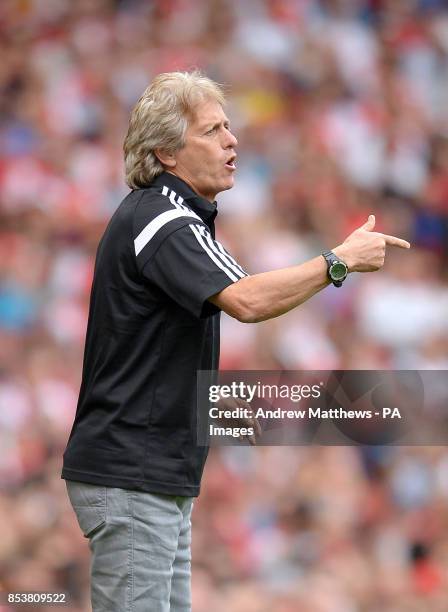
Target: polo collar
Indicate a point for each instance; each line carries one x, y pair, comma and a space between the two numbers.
205, 209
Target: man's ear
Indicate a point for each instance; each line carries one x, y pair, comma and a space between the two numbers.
165, 158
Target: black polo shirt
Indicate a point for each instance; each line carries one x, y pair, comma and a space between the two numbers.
150, 329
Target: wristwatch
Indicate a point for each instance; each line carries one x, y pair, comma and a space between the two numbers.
337, 269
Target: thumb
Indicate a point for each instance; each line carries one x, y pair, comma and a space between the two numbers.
369, 224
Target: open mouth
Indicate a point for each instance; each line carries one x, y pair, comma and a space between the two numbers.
231, 163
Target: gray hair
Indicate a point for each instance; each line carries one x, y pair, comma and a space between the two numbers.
159, 120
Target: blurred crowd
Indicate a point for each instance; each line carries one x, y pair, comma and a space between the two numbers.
341, 110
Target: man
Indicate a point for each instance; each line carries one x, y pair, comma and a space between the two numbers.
132, 465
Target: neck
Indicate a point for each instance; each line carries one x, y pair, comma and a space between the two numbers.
191, 185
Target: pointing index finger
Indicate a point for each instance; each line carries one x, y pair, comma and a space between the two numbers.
398, 242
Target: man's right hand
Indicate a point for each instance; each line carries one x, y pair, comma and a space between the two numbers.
364, 250
270, 294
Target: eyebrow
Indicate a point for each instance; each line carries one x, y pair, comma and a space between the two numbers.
216, 124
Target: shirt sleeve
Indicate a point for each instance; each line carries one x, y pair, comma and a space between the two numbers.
190, 266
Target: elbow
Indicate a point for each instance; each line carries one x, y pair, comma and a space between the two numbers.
244, 311
241, 302
249, 316
244, 316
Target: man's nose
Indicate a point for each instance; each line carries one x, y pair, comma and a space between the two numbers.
230, 140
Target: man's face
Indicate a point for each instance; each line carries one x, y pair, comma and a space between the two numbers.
206, 162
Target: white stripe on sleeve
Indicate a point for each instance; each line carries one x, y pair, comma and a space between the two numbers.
211, 254
225, 259
150, 230
229, 257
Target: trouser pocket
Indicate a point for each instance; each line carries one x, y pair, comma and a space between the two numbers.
89, 503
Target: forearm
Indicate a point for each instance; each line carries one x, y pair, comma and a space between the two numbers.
271, 294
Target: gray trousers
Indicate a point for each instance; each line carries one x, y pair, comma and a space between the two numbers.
140, 548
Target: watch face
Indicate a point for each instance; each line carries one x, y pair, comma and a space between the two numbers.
338, 271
